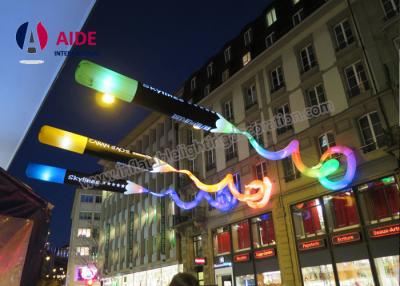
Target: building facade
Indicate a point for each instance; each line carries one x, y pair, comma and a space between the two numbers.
138, 244
84, 240
342, 52
298, 56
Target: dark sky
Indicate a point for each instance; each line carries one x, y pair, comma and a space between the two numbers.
157, 42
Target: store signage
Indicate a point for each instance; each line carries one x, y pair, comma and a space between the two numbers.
319, 243
241, 257
346, 238
200, 261
264, 253
385, 231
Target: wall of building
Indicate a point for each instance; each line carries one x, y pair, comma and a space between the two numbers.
85, 233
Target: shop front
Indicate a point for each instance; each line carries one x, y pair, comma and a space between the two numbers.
153, 277
245, 253
349, 237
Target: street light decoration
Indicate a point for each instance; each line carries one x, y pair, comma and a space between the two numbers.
155, 165
224, 200
96, 77
127, 89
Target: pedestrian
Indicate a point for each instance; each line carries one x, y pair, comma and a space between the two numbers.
184, 279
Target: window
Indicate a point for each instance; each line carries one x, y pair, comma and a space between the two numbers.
325, 141
341, 211
198, 246
237, 181
277, 80
96, 216
343, 34
84, 232
207, 90
190, 137
271, 17
269, 40
250, 96
225, 75
262, 228
210, 70
98, 199
356, 272
290, 171
297, 17
227, 54
210, 159
192, 165
246, 58
283, 119
316, 95
227, 110
261, 170
230, 147
356, 78
193, 84
307, 58
241, 236
254, 128
308, 219
95, 233
85, 215
380, 200
372, 133
390, 7
247, 37
82, 251
86, 199
222, 241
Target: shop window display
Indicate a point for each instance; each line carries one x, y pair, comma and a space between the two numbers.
308, 219
388, 270
269, 279
380, 200
321, 275
341, 211
355, 273
222, 241
241, 236
245, 280
263, 231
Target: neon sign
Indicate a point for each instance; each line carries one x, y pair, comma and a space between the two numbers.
307, 245
346, 238
264, 253
241, 257
388, 230
200, 261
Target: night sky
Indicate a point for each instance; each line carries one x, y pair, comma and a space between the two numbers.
157, 42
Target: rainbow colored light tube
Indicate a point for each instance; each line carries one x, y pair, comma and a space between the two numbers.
81, 144
224, 200
105, 80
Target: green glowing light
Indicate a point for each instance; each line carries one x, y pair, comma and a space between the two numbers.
329, 167
105, 80
387, 180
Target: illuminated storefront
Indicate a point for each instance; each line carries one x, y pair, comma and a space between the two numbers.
350, 237
152, 277
245, 253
